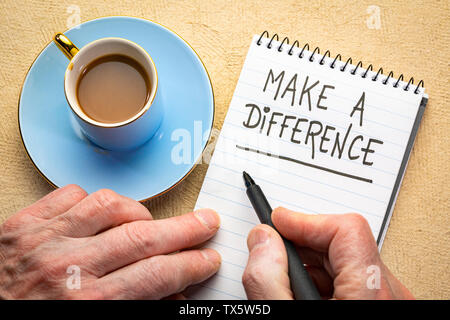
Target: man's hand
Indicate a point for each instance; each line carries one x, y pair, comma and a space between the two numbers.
339, 251
121, 252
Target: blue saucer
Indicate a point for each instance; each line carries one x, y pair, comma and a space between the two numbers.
63, 155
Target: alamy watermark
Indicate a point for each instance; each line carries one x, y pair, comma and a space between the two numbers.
374, 19
73, 282
374, 279
74, 19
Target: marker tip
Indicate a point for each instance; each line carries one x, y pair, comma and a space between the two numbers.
247, 179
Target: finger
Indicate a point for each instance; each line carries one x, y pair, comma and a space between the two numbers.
161, 276
322, 280
100, 210
53, 204
319, 231
138, 240
266, 273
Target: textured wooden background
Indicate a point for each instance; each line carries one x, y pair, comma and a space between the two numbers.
413, 39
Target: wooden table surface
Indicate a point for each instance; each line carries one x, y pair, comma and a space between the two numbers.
411, 38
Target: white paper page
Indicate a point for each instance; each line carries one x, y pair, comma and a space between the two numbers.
297, 180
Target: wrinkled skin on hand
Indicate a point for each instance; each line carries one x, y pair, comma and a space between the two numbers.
121, 252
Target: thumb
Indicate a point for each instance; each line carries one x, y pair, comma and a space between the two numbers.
266, 274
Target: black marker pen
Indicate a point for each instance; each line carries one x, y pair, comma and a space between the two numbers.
301, 283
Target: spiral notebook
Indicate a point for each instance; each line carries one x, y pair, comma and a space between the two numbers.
318, 134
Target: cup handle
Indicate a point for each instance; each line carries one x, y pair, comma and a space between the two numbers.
65, 45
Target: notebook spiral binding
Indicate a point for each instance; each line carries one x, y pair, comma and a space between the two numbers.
327, 53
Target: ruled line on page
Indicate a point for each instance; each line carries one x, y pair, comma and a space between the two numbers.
229, 247
226, 199
234, 232
227, 278
268, 197
291, 189
231, 201
233, 264
297, 175
281, 157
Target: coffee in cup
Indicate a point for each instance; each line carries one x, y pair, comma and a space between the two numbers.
111, 86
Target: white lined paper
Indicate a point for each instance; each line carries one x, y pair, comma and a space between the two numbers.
389, 115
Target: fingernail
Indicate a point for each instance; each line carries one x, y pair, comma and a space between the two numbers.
211, 255
208, 217
258, 237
